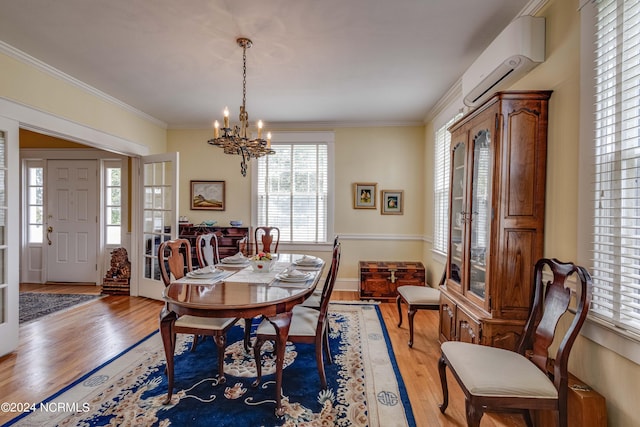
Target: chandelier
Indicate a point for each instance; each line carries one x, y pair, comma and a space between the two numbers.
235, 140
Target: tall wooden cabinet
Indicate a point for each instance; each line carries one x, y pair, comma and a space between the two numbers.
496, 218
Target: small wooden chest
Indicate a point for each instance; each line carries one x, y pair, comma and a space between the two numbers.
380, 279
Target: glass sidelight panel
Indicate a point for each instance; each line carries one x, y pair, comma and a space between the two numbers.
480, 213
456, 240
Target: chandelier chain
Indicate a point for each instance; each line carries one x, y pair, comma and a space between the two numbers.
244, 77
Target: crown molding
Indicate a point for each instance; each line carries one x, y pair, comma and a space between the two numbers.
533, 7
27, 59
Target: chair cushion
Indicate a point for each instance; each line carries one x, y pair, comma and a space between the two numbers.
211, 323
419, 294
313, 300
303, 323
495, 372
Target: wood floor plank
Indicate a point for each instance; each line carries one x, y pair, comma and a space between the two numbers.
60, 348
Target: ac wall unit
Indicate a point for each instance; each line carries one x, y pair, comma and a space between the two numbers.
517, 50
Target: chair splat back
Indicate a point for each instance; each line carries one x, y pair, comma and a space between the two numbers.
207, 249
267, 239
174, 258
551, 301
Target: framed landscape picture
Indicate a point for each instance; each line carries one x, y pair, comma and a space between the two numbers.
392, 202
364, 195
207, 195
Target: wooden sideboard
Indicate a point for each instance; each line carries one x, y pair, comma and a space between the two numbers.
231, 240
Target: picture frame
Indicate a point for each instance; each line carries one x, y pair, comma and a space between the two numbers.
208, 195
364, 195
392, 202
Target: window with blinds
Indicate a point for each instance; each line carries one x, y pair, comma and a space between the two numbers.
616, 156
441, 172
292, 191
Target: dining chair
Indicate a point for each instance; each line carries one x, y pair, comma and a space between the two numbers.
174, 257
308, 326
267, 239
207, 249
314, 299
417, 298
495, 379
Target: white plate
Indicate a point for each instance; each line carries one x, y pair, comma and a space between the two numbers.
234, 260
307, 263
193, 275
286, 278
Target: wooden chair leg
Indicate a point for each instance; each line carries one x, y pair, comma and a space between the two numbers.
442, 369
247, 334
474, 413
399, 304
411, 314
257, 346
320, 363
221, 341
327, 349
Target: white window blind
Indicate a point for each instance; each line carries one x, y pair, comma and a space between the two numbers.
441, 172
616, 188
292, 191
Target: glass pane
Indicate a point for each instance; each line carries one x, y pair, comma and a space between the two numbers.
158, 199
35, 215
113, 177
458, 215
3, 187
113, 216
481, 212
166, 199
148, 197
3, 154
113, 235
148, 221
148, 174
36, 233
113, 197
3, 298
3, 261
35, 195
35, 176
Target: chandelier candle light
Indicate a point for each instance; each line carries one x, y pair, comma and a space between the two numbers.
235, 140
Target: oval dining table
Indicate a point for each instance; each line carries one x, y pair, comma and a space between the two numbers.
261, 295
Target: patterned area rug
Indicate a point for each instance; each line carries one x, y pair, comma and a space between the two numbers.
34, 305
364, 384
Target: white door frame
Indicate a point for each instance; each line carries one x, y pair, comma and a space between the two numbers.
9, 283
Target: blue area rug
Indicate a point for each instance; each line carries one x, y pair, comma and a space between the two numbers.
364, 384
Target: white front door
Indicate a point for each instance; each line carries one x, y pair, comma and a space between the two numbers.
72, 221
9, 235
158, 219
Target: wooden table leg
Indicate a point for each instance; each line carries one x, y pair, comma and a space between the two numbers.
167, 321
281, 323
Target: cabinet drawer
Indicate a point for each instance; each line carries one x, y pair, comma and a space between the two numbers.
467, 328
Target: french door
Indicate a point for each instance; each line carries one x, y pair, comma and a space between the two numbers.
158, 219
9, 234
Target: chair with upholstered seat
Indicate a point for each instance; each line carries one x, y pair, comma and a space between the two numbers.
314, 299
494, 379
174, 258
417, 298
207, 249
308, 325
267, 239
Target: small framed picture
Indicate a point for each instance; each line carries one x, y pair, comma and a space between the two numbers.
207, 195
364, 195
392, 202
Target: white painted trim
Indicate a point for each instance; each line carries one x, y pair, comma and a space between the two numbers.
29, 60
388, 237
533, 7
50, 124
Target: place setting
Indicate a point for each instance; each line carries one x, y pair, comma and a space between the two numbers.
235, 261
205, 274
307, 262
293, 276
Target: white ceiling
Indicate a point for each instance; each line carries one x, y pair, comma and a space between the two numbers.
312, 61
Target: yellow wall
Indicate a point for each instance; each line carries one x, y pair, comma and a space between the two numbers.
29, 86
390, 156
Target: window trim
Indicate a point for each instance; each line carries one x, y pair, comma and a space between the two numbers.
303, 138
606, 334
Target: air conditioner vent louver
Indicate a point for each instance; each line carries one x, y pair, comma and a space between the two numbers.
517, 50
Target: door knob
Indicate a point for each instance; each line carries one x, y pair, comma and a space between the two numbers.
49, 230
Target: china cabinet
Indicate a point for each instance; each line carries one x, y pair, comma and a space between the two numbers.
496, 218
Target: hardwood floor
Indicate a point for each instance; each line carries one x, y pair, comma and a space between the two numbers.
63, 346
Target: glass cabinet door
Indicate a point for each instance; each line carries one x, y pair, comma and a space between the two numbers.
457, 219
480, 213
